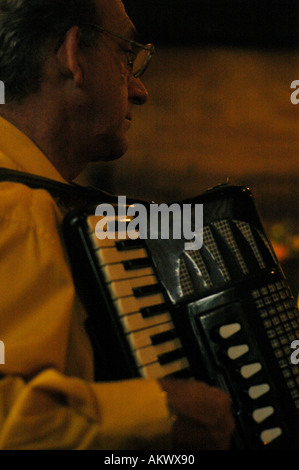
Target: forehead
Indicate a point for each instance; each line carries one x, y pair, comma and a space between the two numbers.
114, 17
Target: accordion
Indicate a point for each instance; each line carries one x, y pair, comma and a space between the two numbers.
222, 313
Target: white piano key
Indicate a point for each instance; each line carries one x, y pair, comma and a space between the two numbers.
116, 272
150, 354
112, 255
155, 370
142, 338
92, 221
126, 305
111, 241
125, 288
235, 352
136, 322
270, 435
226, 331
261, 414
96, 243
250, 369
257, 391
113, 236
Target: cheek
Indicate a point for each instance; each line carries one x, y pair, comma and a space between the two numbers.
117, 107
109, 101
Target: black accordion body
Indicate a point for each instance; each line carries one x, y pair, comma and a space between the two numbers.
222, 314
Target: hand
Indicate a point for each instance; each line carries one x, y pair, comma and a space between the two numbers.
204, 419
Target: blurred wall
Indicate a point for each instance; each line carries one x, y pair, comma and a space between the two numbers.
213, 114
219, 103
258, 23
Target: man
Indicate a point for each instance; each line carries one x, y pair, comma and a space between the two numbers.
70, 93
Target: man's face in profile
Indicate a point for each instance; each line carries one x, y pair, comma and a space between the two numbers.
111, 90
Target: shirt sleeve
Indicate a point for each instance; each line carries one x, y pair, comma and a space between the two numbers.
52, 411
43, 403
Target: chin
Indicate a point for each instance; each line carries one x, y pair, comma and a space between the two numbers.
109, 147
117, 148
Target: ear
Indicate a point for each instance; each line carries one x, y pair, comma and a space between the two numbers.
68, 56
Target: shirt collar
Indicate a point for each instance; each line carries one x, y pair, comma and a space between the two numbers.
19, 152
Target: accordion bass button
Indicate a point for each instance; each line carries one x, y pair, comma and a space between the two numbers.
261, 414
233, 353
258, 416
249, 370
252, 394
231, 359
257, 391
269, 435
224, 332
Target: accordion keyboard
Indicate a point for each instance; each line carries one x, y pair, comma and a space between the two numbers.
140, 305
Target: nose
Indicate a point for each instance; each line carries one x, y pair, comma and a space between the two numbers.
137, 92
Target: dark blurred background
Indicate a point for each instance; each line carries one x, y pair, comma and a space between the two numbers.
253, 23
219, 107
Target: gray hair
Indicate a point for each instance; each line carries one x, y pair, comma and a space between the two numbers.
27, 27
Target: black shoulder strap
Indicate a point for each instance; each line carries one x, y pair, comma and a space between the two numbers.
68, 195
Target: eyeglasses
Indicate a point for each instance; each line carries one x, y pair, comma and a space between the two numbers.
138, 62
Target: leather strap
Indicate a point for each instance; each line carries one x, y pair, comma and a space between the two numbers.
69, 195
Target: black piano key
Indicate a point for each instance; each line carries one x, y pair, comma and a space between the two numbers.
171, 356
160, 338
216, 275
180, 374
230, 260
147, 312
245, 248
147, 290
262, 248
124, 245
139, 263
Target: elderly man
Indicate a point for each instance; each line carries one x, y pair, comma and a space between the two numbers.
71, 83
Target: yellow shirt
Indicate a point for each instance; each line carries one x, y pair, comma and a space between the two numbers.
48, 399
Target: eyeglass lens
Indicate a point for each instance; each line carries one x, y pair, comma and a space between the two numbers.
141, 62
